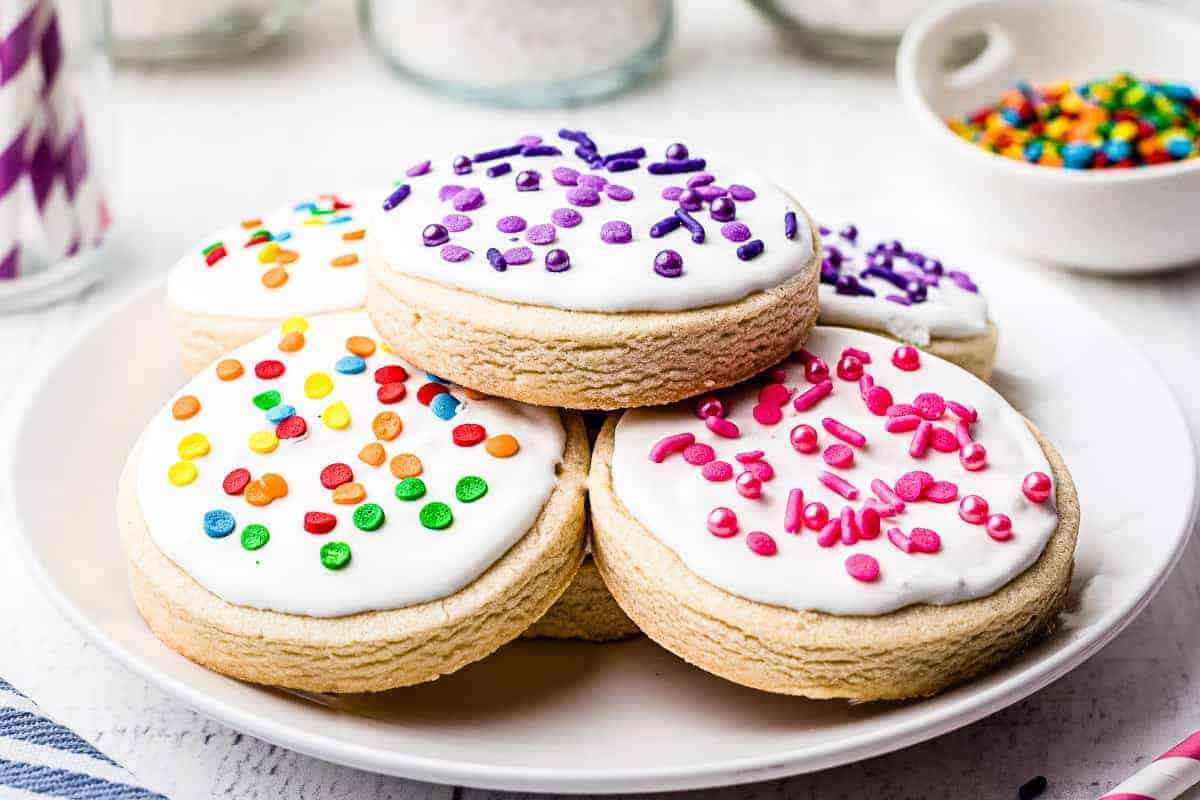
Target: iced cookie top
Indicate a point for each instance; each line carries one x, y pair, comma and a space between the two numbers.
604, 223
859, 478
305, 258
310, 472
886, 286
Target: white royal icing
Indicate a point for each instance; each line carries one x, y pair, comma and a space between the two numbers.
948, 311
232, 286
398, 565
602, 277
672, 500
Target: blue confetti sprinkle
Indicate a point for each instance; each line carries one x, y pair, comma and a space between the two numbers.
280, 412
430, 376
309, 207
283, 236
339, 220
350, 365
218, 524
444, 406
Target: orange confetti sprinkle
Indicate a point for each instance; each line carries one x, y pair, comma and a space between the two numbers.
387, 425
251, 223
291, 341
186, 407
354, 236
286, 256
230, 369
349, 494
373, 454
344, 260
274, 277
275, 484
361, 346
502, 446
406, 465
257, 494
474, 395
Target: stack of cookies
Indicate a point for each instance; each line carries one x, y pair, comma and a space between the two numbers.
574, 386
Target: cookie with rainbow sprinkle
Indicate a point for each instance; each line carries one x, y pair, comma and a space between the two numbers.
242, 281
863, 521
313, 512
592, 272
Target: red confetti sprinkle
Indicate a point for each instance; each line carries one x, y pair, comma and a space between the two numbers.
390, 393
291, 428
319, 522
912, 485
269, 369
879, 400
943, 440
930, 405
717, 471
468, 434
392, 373
235, 482
335, 474
429, 391
767, 414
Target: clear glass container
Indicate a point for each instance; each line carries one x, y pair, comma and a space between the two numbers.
520, 53
56, 219
158, 31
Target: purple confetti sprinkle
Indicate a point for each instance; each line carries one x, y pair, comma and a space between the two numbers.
456, 222
710, 193
417, 170
616, 232
453, 253
735, 231
672, 193
566, 217
619, 193
739, 192
700, 179
511, 224
516, 256
582, 195
565, 176
895, 298
596, 182
529, 140
448, 191
468, 199
541, 234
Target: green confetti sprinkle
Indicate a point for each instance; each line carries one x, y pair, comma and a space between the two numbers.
212, 247
255, 536
368, 517
470, 488
267, 400
410, 489
436, 516
335, 555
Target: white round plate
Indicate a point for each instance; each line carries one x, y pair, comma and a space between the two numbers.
576, 717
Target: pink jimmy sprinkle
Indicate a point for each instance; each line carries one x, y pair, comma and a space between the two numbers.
902, 410
849, 526
699, 454
838, 455
722, 427
962, 432
766, 414
920, 439
862, 567
816, 515
670, 444
925, 541
879, 400
762, 470
838, 485
830, 533
793, 512
864, 385
904, 424
943, 440
868, 523
761, 543
844, 432
809, 398
774, 394
717, 471
749, 455
886, 495
902, 542
883, 510
963, 412
861, 355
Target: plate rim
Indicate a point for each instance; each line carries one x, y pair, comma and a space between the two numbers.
970, 708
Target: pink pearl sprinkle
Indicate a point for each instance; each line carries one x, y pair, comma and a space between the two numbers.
816, 370
809, 398
920, 439
943, 440
886, 495
906, 358
973, 457
912, 485
767, 414
1036, 487
838, 455
844, 432
999, 527
774, 393
816, 516
722, 522
878, 399
709, 407
699, 454
761, 543
962, 432
868, 523
748, 485
722, 427
902, 542
902, 410
804, 438
925, 541
838, 485
973, 509
908, 422
670, 444
862, 567
749, 456
930, 405
942, 492
717, 471
829, 534
793, 512
849, 368
849, 526
963, 412
861, 355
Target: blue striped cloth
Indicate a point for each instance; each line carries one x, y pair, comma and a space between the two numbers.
40, 758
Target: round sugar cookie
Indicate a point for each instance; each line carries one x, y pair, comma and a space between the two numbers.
585, 611
888, 287
591, 272
305, 258
326, 517
863, 521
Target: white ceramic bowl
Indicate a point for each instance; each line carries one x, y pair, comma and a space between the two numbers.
1120, 221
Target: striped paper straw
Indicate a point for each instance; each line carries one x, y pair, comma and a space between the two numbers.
20, 81
1166, 777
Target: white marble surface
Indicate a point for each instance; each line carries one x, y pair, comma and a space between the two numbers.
200, 147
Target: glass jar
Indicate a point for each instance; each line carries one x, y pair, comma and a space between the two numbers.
55, 157
522, 53
157, 31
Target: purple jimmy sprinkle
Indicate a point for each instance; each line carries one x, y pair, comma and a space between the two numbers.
396, 197
933, 266
499, 152
751, 249
739, 192
579, 137
834, 256
582, 195
510, 224
529, 140
677, 167
846, 284
448, 191
821, 229
791, 225
895, 298
453, 253
416, 170
712, 192
723, 209
665, 226
529, 180
622, 165
886, 274
915, 258
735, 231
496, 259
692, 224
962, 281
676, 152
566, 217
590, 156
616, 232
496, 170
668, 264
565, 176
690, 200
671, 193
461, 164
829, 273
700, 179
541, 150
557, 261
541, 234
596, 182
434, 235
468, 199
849, 233
619, 193
456, 223
518, 255
633, 153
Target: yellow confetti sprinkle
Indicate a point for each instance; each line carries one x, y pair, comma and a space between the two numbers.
294, 325
337, 416
314, 221
267, 253
318, 385
194, 445
263, 442
181, 473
